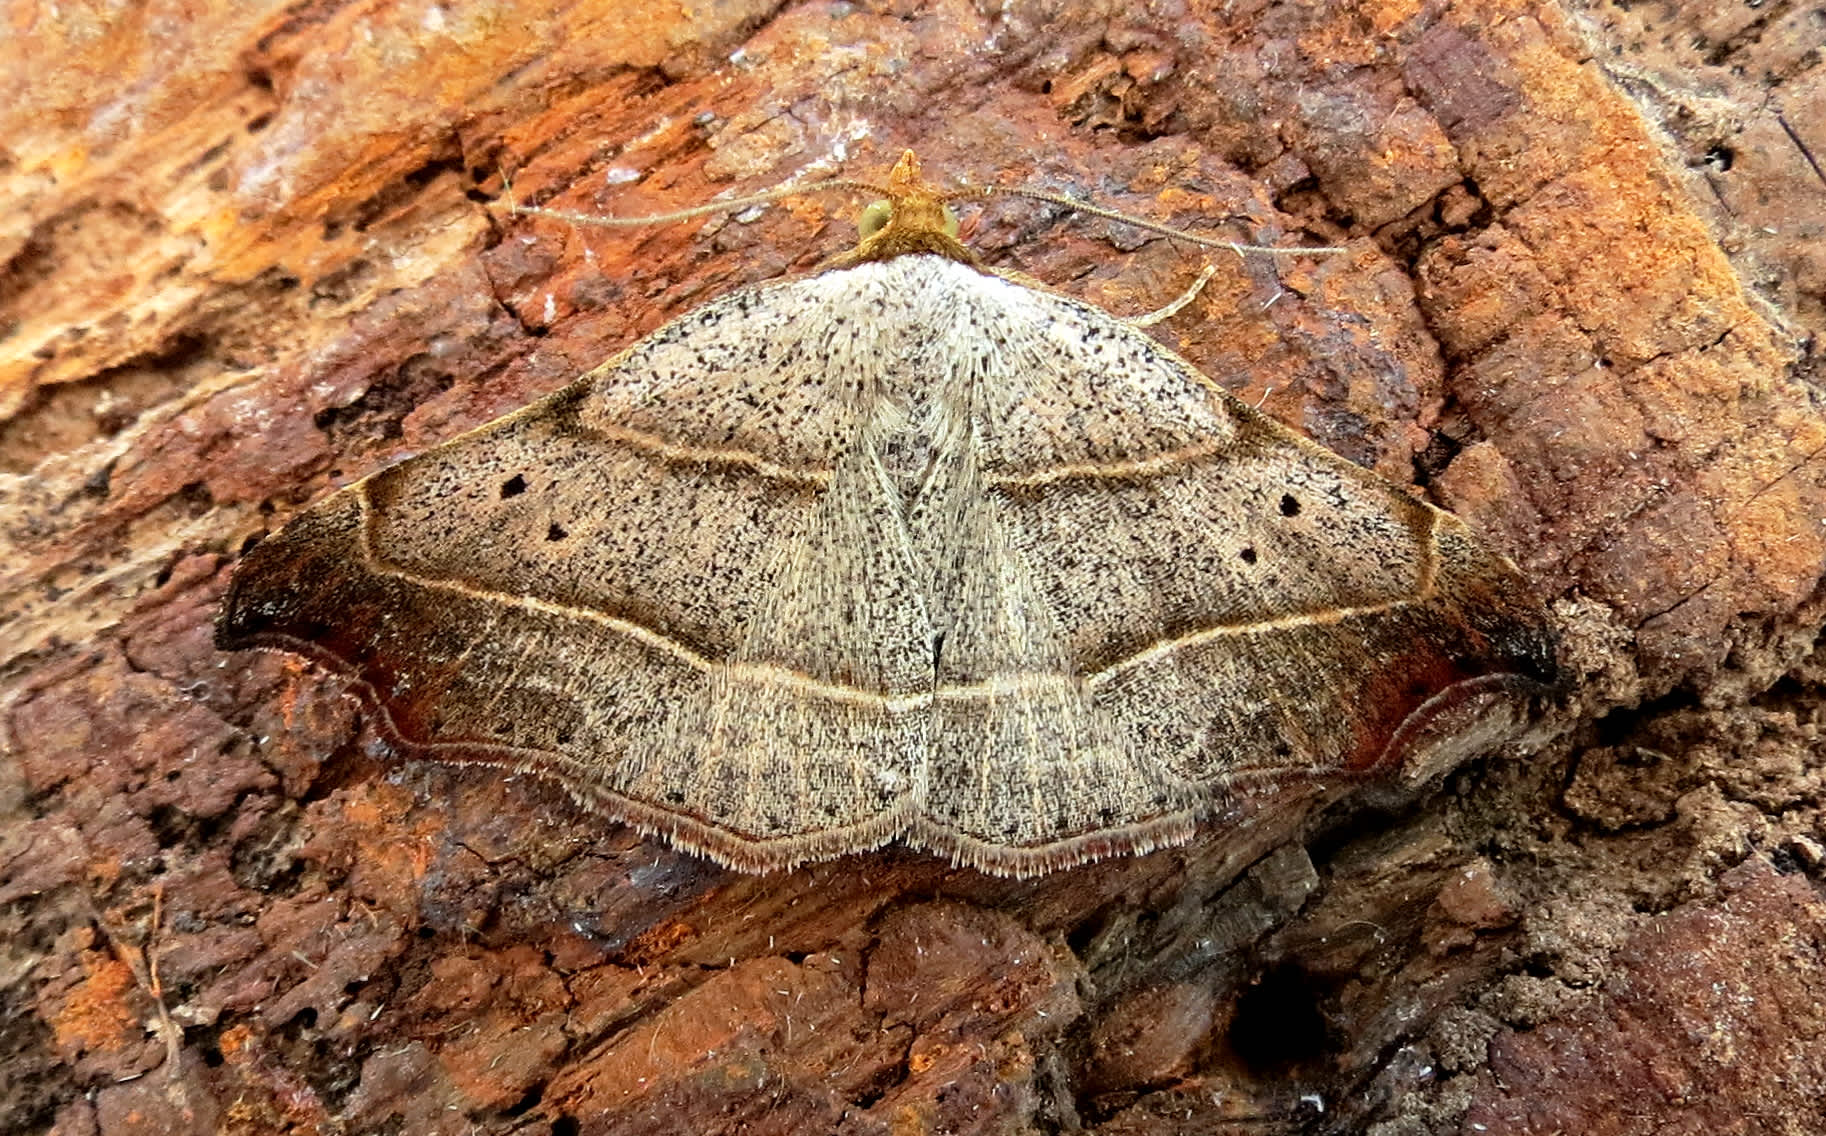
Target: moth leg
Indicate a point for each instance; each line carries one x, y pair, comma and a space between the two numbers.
1177, 304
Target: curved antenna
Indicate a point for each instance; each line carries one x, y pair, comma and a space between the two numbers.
1153, 226
714, 207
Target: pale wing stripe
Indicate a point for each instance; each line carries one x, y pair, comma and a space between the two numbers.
711, 455
1138, 467
837, 692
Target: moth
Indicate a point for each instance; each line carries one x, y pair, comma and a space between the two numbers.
902, 550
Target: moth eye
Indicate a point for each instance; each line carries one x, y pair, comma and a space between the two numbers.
875, 218
950, 222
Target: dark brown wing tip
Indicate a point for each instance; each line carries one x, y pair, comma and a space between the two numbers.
235, 628
1459, 723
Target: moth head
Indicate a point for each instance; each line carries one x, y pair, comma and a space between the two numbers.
912, 218
878, 213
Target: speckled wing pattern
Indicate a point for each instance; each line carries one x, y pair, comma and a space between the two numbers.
900, 550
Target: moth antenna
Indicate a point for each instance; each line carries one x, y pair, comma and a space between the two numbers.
725, 206
1086, 207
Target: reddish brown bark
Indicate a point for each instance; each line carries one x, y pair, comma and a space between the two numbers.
255, 251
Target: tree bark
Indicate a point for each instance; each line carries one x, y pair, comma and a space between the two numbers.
253, 252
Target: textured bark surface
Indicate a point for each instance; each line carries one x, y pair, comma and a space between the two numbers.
251, 252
